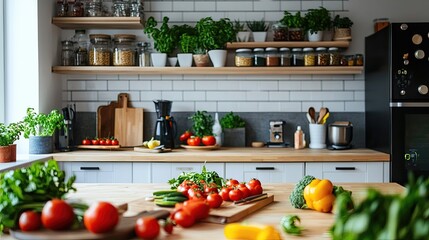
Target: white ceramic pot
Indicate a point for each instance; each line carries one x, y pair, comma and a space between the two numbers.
259, 36
172, 61
243, 36
315, 37
159, 59
185, 59
218, 57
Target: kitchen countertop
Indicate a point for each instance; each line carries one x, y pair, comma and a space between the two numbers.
23, 161
316, 224
226, 155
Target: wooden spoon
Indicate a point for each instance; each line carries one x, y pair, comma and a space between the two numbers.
322, 113
312, 113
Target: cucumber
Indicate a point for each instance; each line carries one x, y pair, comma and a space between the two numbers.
163, 203
175, 199
164, 192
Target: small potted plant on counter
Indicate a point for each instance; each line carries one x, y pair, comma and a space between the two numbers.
295, 24
8, 135
342, 28
242, 34
259, 30
316, 21
234, 131
40, 128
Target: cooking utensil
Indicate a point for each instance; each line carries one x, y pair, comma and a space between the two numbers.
312, 113
310, 120
251, 199
325, 118
322, 113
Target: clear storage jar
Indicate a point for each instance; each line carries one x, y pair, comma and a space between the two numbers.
280, 32
322, 56
143, 54
285, 57
359, 59
68, 53
124, 50
273, 57
81, 53
62, 8
243, 57
93, 8
334, 56
309, 57
120, 8
297, 57
100, 51
260, 60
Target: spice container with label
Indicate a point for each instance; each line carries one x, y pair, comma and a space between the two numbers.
143, 54
124, 50
285, 57
260, 60
334, 56
243, 57
359, 60
297, 57
322, 56
280, 32
309, 57
68, 53
273, 58
100, 51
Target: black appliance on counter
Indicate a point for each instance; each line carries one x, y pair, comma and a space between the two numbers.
396, 97
165, 127
65, 137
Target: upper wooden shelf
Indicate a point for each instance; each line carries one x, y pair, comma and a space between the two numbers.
98, 22
207, 70
289, 44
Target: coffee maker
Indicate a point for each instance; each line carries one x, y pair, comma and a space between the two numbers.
165, 126
276, 134
65, 138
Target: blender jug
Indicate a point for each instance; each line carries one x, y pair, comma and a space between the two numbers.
162, 108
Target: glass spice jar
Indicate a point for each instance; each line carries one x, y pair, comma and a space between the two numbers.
81, 52
334, 56
285, 57
68, 53
94, 8
350, 60
273, 58
297, 57
99, 50
62, 8
143, 54
77, 9
359, 60
120, 8
243, 57
124, 50
260, 60
343, 61
322, 56
309, 57
280, 32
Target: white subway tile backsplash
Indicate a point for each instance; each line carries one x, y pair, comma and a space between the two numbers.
332, 85
173, 96
186, 6
311, 4
150, 95
84, 96
333, 5
107, 77
183, 85
354, 85
162, 85
128, 77
311, 85
194, 96
258, 85
204, 6
266, 5
334, 106
88, 106
268, 107
359, 95
96, 85
306, 105
140, 85
183, 107
229, 85
290, 85
227, 6
226, 96
161, 6
290, 106
118, 85
279, 96
257, 96
206, 85
291, 6
76, 85
208, 106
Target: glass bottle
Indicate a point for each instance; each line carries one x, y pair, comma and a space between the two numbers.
260, 59
81, 51
297, 57
217, 130
143, 54
99, 50
322, 56
309, 57
124, 50
273, 58
68, 53
285, 57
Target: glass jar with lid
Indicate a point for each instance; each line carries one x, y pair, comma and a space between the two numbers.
309, 57
143, 54
359, 59
297, 57
273, 57
124, 50
260, 60
135, 8
81, 53
280, 32
120, 8
68, 53
322, 56
243, 57
62, 8
334, 56
93, 8
100, 51
285, 57
76, 8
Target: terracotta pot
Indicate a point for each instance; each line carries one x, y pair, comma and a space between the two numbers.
7, 153
201, 60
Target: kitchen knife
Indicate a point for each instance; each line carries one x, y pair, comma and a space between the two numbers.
251, 199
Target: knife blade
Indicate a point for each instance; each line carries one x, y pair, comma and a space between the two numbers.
251, 199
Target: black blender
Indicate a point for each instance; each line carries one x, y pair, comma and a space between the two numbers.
66, 140
165, 126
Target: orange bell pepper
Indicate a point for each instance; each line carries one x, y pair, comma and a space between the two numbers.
319, 195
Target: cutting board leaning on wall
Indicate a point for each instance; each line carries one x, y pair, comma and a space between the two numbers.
128, 124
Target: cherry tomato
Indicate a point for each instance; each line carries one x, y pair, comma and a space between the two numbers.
235, 195
209, 140
115, 142
198, 209
214, 200
210, 188
232, 182
101, 217
108, 141
194, 141
102, 141
86, 141
30, 221
57, 214
195, 193
185, 186
147, 227
168, 226
95, 141
185, 136
253, 182
246, 192
257, 189
183, 218
224, 193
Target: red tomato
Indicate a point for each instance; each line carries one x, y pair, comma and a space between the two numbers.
224, 193
108, 141
232, 182
102, 141
199, 209
246, 192
194, 141
147, 227
95, 141
30, 221
214, 200
101, 217
257, 189
195, 193
183, 218
185, 186
185, 136
209, 140
115, 142
235, 195
57, 214
210, 188
168, 226
253, 182
86, 141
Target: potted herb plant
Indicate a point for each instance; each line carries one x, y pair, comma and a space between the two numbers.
40, 128
295, 24
259, 30
233, 127
342, 28
242, 34
316, 21
8, 135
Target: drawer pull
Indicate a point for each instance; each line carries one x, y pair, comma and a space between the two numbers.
89, 168
185, 169
265, 168
345, 168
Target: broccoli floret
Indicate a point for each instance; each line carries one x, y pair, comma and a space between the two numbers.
297, 196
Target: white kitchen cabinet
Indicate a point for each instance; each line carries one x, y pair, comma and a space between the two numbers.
265, 172
141, 172
162, 172
99, 172
349, 171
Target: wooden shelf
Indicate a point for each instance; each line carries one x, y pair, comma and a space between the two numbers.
207, 70
289, 44
98, 22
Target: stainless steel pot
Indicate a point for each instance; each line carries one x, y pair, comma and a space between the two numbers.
340, 134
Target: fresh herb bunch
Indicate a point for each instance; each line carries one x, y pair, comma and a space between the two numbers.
208, 177
29, 189
230, 120
292, 20
215, 34
42, 124
257, 26
188, 43
202, 123
165, 38
10, 133
342, 22
317, 19
379, 216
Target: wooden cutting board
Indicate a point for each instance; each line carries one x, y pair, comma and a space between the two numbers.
128, 124
124, 230
106, 117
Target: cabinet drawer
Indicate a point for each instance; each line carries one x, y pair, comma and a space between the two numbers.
141, 172
347, 171
99, 172
266, 172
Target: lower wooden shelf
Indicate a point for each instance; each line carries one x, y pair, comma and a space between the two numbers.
207, 70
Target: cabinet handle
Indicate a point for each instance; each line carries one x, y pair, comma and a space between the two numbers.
184, 169
89, 168
345, 168
265, 168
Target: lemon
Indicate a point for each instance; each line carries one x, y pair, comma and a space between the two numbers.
153, 143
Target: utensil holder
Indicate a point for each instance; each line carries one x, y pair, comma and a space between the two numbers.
317, 136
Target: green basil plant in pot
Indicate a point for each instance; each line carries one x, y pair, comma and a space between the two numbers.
40, 129
188, 43
259, 30
295, 24
342, 28
316, 22
8, 135
233, 127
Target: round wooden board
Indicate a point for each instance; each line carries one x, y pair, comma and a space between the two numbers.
200, 148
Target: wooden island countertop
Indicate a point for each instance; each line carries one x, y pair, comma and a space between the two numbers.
226, 155
316, 224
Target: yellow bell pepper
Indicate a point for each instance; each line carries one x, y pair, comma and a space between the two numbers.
235, 231
319, 195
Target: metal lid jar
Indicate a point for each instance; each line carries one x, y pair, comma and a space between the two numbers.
285, 57
260, 60
273, 57
143, 54
297, 57
334, 56
322, 56
68, 53
309, 57
99, 50
243, 57
280, 32
124, 50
